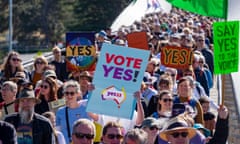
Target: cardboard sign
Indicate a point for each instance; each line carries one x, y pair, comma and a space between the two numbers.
176, 57
226, 47
119, 73
80, 51
138, 40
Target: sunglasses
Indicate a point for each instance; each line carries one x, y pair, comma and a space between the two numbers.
16, 59
69, 93
112, 136
173, 75
44, 86
167, 100
39, 62
177, 134
153, 128
82, 135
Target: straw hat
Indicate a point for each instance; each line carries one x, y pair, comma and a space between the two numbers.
176, 124
86, 74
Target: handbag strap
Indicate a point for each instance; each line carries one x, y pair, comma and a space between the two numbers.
67, 122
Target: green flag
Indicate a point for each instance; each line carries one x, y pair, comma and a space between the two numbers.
212, 8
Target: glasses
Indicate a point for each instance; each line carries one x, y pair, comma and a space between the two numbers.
167, 100
177, 134
82, 135
112, 136
153, 128
69, 93
56, 52
16, 59
188, 74
39, 62
5, 89
200, 40
173, 75
44, 86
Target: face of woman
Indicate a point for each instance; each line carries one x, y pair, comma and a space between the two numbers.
40, 64
15, 61
166, 102
45, 88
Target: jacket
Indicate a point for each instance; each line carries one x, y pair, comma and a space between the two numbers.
221, 132
42, 130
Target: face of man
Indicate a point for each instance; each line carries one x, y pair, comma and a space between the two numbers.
84, 135
113, 136
8, 94
26, 109
178, 137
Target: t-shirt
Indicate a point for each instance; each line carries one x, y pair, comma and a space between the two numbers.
24, 134
73, 115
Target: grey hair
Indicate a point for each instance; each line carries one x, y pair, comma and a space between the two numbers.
137, 135
12, 85
72, 83
83, 121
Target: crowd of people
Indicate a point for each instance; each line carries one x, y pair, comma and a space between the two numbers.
48, 104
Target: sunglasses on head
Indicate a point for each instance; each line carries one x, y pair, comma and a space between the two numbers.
16, 59
167, 100
177, 134
44, 86
69, 93
112, 136
82, 135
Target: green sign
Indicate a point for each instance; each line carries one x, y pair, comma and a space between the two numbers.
226, 45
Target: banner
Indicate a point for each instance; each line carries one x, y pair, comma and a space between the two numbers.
138, 40
176, 57
80, 51
213, 8
119, 73
226, 47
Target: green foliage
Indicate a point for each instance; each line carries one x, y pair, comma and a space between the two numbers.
44, 22
96, 14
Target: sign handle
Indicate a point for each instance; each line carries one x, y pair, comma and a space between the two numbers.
223, 89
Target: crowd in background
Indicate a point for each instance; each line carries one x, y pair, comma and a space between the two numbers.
48, 104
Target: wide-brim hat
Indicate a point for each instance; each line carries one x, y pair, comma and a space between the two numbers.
50, 73
150, 122
29, 94
176, 124
86, 74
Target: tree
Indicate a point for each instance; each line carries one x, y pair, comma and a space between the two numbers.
94, 15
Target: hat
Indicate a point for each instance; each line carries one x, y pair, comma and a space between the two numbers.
23, 82
148, 79
177, 109
199, 126
86, 74
175, 124
103, 34
150, 122
50, 73
29, 94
